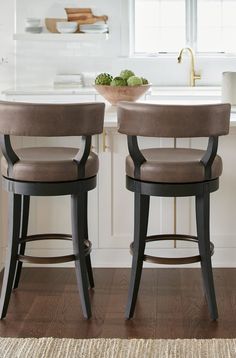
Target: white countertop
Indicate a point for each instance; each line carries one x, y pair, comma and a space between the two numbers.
159, 95
173, 91
48, 90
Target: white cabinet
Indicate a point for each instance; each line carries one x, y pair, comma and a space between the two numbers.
111, 208
116, 205
116, 209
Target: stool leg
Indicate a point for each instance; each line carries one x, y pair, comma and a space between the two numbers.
88, 259
12, 249
203, 233
78, 220
141, 211
89, 271
25, 202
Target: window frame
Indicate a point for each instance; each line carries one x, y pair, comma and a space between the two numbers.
190, 35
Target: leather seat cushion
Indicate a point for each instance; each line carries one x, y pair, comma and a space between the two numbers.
169, 165
52, 164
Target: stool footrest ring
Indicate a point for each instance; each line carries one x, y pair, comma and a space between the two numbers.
46, 260
55, 259
172, 260
50, 236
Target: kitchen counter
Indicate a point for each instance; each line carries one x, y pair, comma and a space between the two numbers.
111, 227
47, 90
169, 91
157, 95
160, 95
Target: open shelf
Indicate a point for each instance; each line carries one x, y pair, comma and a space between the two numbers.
60, 37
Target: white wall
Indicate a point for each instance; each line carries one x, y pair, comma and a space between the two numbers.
37, 62
6, 80
6, 43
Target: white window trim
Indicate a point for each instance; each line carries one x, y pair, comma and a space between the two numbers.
191, 23
132, 27
191, 35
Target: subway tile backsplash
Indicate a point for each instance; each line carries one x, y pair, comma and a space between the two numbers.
37, 62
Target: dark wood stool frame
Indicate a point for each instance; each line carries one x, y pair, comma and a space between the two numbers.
143, 191
152, 120
19, 202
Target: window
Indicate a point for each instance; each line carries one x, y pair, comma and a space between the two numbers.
216, 26
164, 26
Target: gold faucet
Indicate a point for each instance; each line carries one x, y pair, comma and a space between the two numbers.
193, 75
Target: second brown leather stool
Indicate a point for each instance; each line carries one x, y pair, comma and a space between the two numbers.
171, 172
47, 172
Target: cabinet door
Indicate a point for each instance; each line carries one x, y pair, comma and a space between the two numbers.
116, 203
222, 203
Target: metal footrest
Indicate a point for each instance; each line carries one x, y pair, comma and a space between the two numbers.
172, 260
55, 259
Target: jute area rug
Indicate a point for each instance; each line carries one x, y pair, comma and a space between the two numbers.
116, 348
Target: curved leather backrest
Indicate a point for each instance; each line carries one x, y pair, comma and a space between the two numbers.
51, 120
154, 120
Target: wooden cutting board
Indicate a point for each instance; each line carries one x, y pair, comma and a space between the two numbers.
82, 19
84, 16
76, 10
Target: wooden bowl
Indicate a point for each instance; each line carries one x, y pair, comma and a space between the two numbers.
115, 94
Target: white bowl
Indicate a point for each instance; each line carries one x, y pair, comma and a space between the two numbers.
34, 30
94, 31
65, 27
94, 28
32, 22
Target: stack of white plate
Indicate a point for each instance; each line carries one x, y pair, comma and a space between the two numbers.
94, 28
33, 25
73, 80
89, 78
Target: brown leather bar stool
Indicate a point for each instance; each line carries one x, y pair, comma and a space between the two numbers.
48, 172
171, 172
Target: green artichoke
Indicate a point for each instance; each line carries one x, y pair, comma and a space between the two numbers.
134, 81
125, 74
144, 80
103, 79
118, 81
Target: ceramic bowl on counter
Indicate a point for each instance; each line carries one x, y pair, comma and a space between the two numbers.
66, 27
115, 94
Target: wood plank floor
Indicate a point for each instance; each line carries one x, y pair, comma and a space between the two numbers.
171, 304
